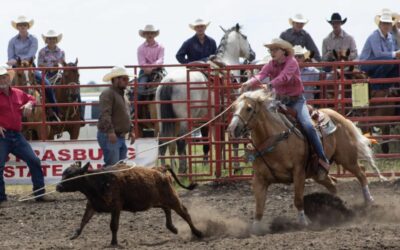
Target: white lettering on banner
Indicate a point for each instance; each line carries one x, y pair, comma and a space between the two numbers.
57, 156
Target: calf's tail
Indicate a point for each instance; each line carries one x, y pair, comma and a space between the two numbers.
191, 185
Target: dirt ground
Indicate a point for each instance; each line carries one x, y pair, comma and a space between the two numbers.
224, 213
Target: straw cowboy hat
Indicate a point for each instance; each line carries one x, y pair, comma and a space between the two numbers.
198, 22
282, 44
385, 17
299, 50
52, 33
22, 19
149, 28
336, 17
6, 70
298, 18
116, 72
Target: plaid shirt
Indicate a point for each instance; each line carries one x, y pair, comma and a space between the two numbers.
50, 58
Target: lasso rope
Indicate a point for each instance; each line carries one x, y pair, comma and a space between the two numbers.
30, 197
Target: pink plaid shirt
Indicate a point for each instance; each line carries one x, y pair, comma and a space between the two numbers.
150, 54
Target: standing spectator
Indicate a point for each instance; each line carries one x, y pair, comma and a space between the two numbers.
24, 47
381, 45
298, 36
149, 53
114, 120
199, 47
307, 74
13, 104
338, 40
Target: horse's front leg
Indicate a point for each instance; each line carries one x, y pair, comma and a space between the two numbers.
260, 187
299, 180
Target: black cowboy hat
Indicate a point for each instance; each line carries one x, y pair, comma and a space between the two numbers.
336, 17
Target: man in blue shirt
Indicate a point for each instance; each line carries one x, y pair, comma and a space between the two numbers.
24, 46
199, 47
381, 45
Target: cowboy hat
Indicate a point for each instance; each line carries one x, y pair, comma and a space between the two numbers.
6, 70
280, 43
385, 17
299, 50
198, 22
52, 33
336, 17
22, 19
298, 18
116, 71
149, 28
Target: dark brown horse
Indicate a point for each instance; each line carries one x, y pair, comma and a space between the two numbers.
287, 159
70, 78
27, 78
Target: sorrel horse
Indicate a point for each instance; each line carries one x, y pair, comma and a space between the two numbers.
69, 77
27, 78
286, 162
233, 46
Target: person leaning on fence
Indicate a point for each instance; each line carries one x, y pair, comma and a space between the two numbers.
14, 103
24, 47
338, 40
307, 74
284, 74
199, 47
381, 45
114, 120
298, 36
149, 53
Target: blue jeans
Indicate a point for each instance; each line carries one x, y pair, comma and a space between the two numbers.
15, 143
381, 71
50, 96
305, 120
112, 152
141, 80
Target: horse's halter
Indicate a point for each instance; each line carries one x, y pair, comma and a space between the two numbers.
246, 128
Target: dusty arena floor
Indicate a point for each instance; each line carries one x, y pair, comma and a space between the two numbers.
223, 213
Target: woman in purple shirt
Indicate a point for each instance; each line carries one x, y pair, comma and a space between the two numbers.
284, 76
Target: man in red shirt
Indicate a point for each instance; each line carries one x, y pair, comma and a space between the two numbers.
13, 104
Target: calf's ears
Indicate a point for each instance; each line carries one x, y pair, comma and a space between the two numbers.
85, 168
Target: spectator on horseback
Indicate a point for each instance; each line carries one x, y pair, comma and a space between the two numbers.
199, 47
396, 27
51, 55
149, 53
307, 74
338, 40
283, 75
298, 36
114, 120
24, 47
381, 45
14, 103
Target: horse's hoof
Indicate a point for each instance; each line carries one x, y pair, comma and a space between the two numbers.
256, 228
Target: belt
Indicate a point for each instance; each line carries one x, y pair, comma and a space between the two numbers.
287, 99
120, 134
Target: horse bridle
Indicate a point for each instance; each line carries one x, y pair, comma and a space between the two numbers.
246, 128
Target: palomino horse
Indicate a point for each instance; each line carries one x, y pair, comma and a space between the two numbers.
286, 155
233, 46
27, 78
69, 77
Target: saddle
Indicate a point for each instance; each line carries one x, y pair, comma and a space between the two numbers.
323, 124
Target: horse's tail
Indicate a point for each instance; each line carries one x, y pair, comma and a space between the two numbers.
364, 151
166, 111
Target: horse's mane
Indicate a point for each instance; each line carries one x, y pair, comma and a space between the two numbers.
224, 40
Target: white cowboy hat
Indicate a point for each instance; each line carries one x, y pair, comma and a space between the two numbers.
149, 28
116, 71
298, 18
280, 43
52, 33
299, 50
385, 17
198, 22
22, 19
6, 70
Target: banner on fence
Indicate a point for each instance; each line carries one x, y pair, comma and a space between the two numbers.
57, 156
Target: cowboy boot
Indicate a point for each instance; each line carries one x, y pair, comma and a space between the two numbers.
323, 169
